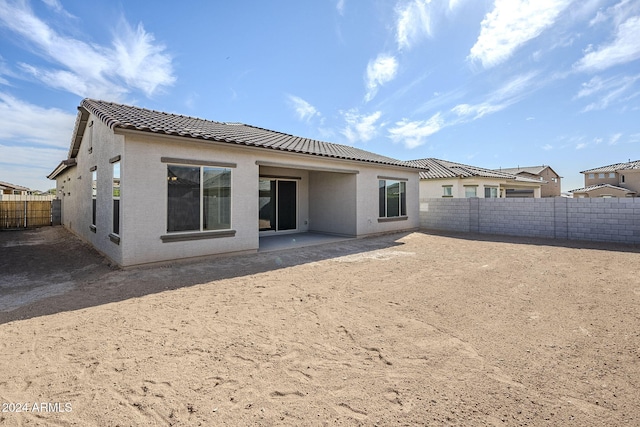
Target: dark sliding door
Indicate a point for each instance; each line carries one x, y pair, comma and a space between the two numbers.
278, 205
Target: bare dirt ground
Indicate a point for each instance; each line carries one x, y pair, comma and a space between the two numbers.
404, 329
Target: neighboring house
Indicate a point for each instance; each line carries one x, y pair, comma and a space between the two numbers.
545, 174
617, 180
144, 186
12, 190
442, 178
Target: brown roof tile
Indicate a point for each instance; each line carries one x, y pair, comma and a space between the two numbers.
141, 119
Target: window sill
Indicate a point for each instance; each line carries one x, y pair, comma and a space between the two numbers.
393, 218
114, 238
198, 235
447, 197
93, 228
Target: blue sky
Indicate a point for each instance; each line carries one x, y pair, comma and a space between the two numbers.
492, 83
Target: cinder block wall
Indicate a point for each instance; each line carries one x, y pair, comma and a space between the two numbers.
606, 220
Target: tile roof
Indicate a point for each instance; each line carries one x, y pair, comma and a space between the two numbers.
438, 169
141, 119
7, 185
597, 186
615, 167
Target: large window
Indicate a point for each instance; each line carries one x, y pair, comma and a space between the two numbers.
392, 198
116, 197
198, 198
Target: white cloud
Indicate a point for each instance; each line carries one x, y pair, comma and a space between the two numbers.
615, 138
23, 122
340, 7
414, 133
380, 71
360, 127
510, 24
413, 22
547, 147
508, 94
608, 91
302, 108
134, 61
624, 48
581, 145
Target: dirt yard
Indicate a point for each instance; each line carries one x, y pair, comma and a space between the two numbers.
405, 329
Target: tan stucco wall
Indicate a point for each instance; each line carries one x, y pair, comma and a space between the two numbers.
631, 180
550, 189
600, 192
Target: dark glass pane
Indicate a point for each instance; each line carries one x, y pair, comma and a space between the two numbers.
393, 198
382, 199
267, 205
216, 190
183, 198
287, 205
116, 216
93, 212
403, 198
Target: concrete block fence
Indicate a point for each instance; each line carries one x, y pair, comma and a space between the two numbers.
605, 220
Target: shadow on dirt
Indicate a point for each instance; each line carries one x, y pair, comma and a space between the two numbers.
49, 270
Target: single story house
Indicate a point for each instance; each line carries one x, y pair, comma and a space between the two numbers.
146, 186
442, 178
8, 189
551, 181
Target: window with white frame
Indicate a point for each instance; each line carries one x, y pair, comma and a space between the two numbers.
592, 175
612, 174
447, 191
601, 175
470, 191
622, 179
490, 192
198, 198
392, 198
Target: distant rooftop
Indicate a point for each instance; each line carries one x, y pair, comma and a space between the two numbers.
615, 167
439, 169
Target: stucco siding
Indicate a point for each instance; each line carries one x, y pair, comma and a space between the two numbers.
76, 194
333, 202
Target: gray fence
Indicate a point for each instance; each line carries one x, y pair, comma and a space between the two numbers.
605, 220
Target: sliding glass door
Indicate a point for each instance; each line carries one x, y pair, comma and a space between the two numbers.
278, 204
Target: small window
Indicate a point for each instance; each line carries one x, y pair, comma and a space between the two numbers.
592, 176
392, 198
447, 191
622, 179
470, 191
490, 192
600, 175
612, 175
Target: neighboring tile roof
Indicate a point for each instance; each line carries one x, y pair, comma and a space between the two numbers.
7, 185
438, 169
597, 186
141, 119
615, 167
